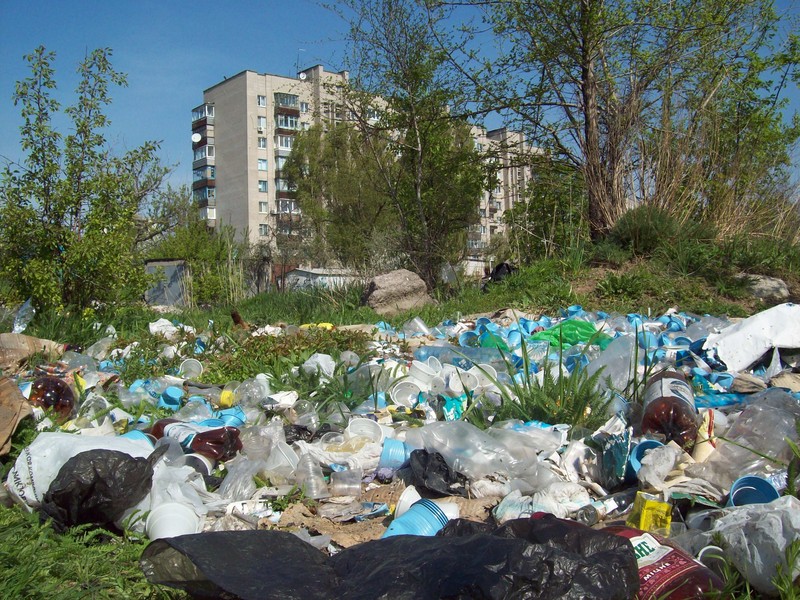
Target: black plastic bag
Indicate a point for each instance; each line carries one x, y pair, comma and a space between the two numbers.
430, 472
545, 558
97, 487
251, 565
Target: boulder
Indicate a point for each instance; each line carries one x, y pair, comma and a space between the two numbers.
768, 289
396, 292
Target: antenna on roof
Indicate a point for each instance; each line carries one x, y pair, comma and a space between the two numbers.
297, 62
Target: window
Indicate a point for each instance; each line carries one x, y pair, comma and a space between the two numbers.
287, 121
483, 228
304, 126
262, 143
483, 213
281, 185
263, 207
208, 213
262, 164
372, 114
280, 162
285, 142
204, 193
288, 100
207, 172
262, 185
287, 206
204, 152
262, 123
201, 112
304, 107
262, 100
263, 229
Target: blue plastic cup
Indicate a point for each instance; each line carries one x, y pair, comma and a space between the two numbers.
574, 310
647, 340
469, 339
171, 398
636, 456
212, 423
423, 518
752, 489
394, 454
139, 436
232, 417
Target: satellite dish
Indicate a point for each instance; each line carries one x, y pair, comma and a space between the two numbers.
302, 76
196, 137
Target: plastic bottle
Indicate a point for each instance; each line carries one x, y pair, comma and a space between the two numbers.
24, 316
219, 443
607, 506
669, 409
666, 571
52, 393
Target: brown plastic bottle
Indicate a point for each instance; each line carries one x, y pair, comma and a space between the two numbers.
218, 443
669, 409
666, 571
53, 393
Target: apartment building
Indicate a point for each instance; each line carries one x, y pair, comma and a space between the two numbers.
244, 131
242, 134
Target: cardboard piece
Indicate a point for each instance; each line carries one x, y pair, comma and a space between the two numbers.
13, 408
16, 347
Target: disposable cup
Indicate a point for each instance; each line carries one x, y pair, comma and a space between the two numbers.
200, 463
171, 398
422, 372
434, 364
405, 393
752, 489
425, 518
469, 339
394, 454
346, 483
438, 386
638, 452
171, 519
282, 458
363, 427
461, 382
486, 374
232, 417
406, 500
139, 436
191, 368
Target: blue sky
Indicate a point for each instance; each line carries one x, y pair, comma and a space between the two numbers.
171, 51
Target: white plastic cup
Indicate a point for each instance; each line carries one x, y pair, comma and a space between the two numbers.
405, 393
363, 427
409, 496
422, 372
191, 368
171, 519
460, 382
200, 463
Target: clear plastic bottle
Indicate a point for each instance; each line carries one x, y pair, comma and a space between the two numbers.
24, 316
669, 409
607, 506
666, 571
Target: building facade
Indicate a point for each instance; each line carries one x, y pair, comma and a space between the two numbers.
241, 136
244, 131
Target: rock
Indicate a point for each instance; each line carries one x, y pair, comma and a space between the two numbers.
769, 289
395, 292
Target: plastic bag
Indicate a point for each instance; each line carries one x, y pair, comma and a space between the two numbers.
527, 558
430, 472
97, 487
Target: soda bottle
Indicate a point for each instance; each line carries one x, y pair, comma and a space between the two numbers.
219, 443
607, 506
666, 571
53, 393
669, 409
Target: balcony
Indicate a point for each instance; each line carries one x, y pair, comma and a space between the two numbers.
288, 217
201, 183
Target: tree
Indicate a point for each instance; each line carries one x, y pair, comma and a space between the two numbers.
432, 174
627, 91
70, 209
335, 176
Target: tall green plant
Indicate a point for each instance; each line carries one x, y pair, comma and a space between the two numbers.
70, 208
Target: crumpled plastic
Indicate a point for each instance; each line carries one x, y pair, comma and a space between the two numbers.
527, 558
96, 487
430, 472
560, 499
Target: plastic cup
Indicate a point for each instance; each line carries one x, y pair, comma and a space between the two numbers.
468, 339
434, 364
191, 368
425, 517
171, 519
363, 427
409, 496
346, 483
394, 454
422, 372
232, 417
200, 463
405, 393
171, 398
752, 489
637, 454
461, 382
485, 374
140, 436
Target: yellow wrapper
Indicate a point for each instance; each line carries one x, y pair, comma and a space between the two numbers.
650, 514
705, 442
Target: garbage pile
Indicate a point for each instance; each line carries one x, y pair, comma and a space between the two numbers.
698, 442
